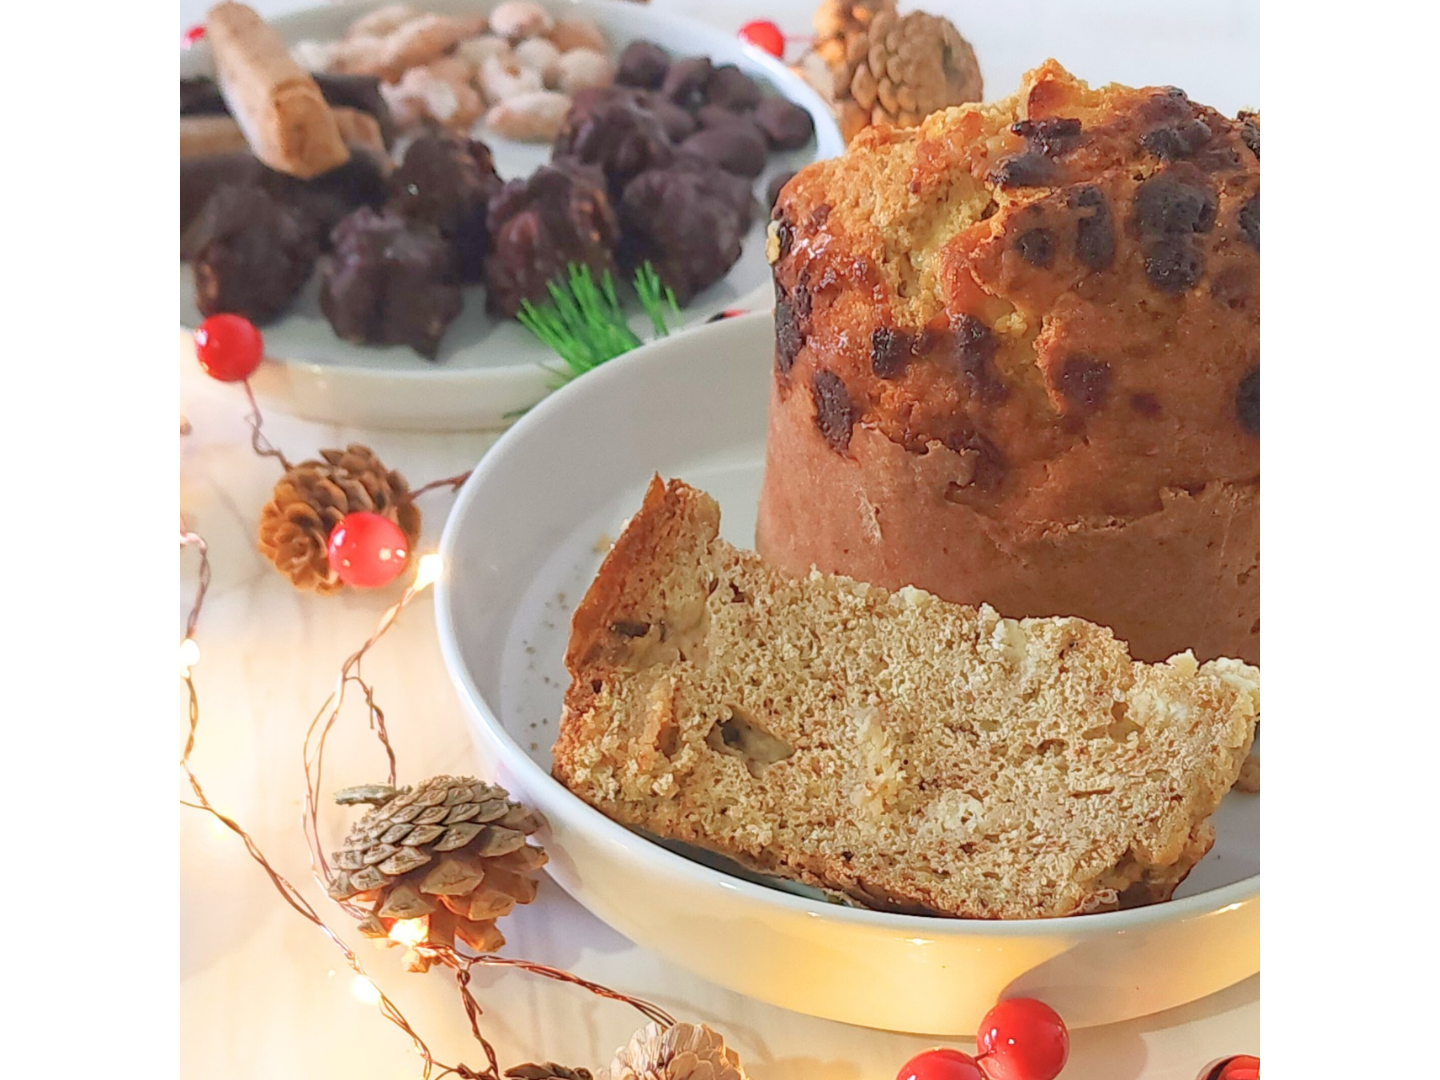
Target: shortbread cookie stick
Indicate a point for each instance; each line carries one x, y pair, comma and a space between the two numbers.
201, 136
276, 103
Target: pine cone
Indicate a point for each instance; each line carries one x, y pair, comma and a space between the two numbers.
901, 70
546, 1070
839, 22
682, 1052
451, 851
309, 502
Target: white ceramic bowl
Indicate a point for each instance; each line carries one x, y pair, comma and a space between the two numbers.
491, 368
523, 542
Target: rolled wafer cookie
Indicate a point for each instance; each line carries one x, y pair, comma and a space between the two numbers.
277, 104
204, 135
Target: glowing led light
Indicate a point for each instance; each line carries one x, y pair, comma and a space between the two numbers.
410, 932
365, 990
427, 571
189, 655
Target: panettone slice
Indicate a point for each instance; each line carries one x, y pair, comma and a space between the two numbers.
895, 750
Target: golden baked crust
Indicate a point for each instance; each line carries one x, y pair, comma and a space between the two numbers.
889, 748
1056, 295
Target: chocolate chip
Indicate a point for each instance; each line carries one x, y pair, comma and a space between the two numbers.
1232, 287
1250, 221
1094, 231
1084, 382
890, 351
629, 628
1145, 404
1247, 402
1174, 142
1029, 169
788, 335
834, 413
1164, 205
820, 215
974, 347
1249, 132
1049, 137
1036, 246
804, 300
786, 233
1173, 263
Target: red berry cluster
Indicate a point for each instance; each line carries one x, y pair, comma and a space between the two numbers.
1019, 1039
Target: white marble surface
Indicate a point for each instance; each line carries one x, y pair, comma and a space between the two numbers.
265, 994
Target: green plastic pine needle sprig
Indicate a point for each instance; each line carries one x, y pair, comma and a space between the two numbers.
584, 322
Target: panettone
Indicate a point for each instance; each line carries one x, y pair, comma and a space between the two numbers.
1018, 362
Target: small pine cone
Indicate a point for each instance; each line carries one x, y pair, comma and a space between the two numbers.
839, 22
901, 70
681, 1052
451, 851
309, 502
546, 1070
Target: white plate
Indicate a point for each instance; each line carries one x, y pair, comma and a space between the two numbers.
524, 541
488, 368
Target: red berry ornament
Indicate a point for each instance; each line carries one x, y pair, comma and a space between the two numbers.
764, 34
1239, 1067
1023, 1039
942, 1063
367, 550
229, 347
194, 34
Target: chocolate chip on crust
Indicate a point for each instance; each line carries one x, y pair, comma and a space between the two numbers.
1250, 221
1247, 402
1249, 131
1094, 231
974, 347
1084, 382
1164, 204
789, 338
1036, 246
1029, 169
1049, 137
890, 351
1174, 142
1145, 404
834, 412
1173, 263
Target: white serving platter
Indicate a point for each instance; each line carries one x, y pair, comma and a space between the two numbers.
490, 369
522, 544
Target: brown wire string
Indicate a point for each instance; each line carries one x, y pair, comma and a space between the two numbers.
452, 482
323, 723
258, 442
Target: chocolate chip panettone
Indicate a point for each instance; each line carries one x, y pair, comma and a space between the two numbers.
1017, 362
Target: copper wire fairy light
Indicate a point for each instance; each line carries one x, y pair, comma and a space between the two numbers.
314, 747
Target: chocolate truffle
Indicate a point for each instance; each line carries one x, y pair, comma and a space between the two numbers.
252, 253
730, 88
786, 125
539, 226
447, 182
389, 282
686, 81
642, 63
684, 225
618, 136
738, 148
